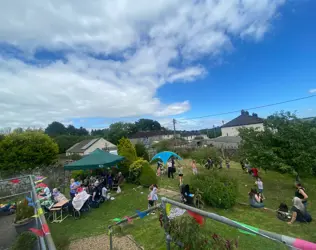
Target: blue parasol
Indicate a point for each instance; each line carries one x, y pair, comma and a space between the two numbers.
165, 156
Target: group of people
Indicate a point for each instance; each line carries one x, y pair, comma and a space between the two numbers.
298, 212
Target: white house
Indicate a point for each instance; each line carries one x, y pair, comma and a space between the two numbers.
243, 121
192, 135
85, 147
149, 137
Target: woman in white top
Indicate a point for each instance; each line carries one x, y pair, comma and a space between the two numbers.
180, 172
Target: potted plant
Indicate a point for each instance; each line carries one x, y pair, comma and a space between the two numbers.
23, 217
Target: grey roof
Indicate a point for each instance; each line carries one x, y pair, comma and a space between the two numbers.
227, 139
244, 119
146, 134
82, 146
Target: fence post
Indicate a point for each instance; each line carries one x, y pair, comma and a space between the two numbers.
165, 218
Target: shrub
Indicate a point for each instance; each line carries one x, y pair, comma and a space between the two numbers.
184, 229
218, 190
126, 148
79, 174
25, 241
184, 152
148, 176
23, 211
135, 170
141, 151
200, 155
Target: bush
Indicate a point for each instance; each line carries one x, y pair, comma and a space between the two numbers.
126, 148
218, 190
184, 152
25, 241
184, 229
201, 155
135, 170
79, 174
141, 151
148, 176
23, 211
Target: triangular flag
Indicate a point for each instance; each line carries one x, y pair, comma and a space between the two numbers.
117, 219
40, 180
129, 220
198, 218
28, 199
40, 211
15, 181
141, 214
35, 216
38, 232
45, 229
31, 204
249, 227
168, 209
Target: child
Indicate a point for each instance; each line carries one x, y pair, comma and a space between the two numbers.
154, 194
194, 168
150, 198
259, 183
180, 172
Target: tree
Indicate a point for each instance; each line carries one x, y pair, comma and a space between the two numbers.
27, 150
141, 151
18, 130
287, 144
126, 148
119, 130
147, 125
56, 128
71, 130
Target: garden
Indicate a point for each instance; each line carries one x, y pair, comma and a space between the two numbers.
224, 191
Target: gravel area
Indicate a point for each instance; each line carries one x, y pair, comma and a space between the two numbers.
7, 231
102, 242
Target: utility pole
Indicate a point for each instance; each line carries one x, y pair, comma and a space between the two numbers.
174, 132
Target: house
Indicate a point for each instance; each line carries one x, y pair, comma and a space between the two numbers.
226, 142
193, 135
150, 137
85, 147
243, 121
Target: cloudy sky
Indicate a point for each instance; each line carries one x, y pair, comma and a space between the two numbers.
90, 63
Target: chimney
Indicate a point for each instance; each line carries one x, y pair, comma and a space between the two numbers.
255, 115
247, 113
243, 112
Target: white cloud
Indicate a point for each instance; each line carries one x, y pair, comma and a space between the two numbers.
137, 47
312, 91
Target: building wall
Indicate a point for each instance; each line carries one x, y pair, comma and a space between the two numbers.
100, 144
151, 139
233, 131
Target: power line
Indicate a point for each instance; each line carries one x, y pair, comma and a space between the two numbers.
258, 107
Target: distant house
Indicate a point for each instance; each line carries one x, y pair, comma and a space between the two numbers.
193, 135
150, 137
227, 142
85, 147
243, 121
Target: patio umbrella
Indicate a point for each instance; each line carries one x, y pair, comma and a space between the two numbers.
165, 156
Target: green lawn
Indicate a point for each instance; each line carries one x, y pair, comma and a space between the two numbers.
147, 232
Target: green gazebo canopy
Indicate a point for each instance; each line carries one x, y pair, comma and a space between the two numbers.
97, 159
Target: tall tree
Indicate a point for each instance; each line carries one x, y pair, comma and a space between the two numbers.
286, 144
147, 125
126, 148
27, 150
120, 129
56, 128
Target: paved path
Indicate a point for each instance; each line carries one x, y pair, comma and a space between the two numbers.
7, 231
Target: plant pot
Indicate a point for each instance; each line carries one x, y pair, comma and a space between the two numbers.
25, 225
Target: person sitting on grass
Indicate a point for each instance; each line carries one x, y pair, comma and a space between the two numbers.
255, 199
300, 193
299, 212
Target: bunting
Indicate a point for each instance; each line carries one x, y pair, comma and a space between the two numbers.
15, 181
198, 218
168, 209
141, 214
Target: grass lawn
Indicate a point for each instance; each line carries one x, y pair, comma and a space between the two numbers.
147, 232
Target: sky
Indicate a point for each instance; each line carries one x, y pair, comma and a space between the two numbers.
94, 63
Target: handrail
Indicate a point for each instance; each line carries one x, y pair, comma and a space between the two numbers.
47, 236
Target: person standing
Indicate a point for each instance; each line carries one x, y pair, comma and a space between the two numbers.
170, 169
194, 168
259, 183
73, 188
180, 172
301, 193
